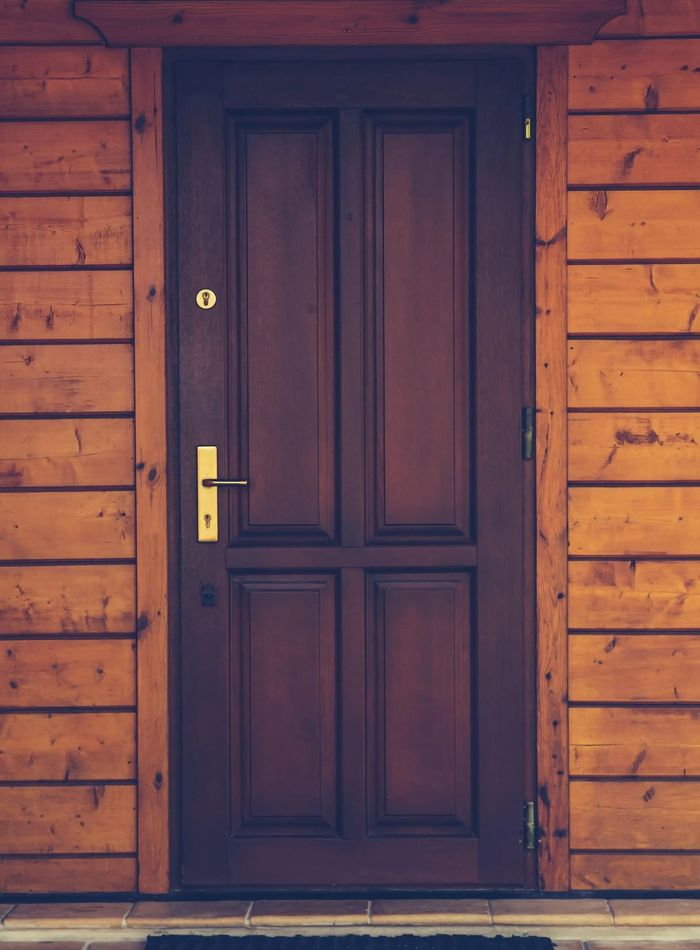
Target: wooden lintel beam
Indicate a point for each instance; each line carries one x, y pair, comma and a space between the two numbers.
346, 22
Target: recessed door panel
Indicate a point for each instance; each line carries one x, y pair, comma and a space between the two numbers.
418, 176
283, 689
283, 374
420, 713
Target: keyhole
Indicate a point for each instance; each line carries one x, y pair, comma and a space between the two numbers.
207, 521
205, 297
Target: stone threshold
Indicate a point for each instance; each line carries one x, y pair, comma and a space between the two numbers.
574, 923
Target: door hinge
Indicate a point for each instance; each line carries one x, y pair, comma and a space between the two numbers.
529, 826
527, 429
527, 118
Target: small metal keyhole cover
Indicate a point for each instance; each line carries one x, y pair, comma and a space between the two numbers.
206, 299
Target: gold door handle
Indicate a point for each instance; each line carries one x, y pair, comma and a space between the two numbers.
208, 484
223, 482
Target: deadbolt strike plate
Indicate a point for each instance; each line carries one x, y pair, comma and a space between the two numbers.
207, 495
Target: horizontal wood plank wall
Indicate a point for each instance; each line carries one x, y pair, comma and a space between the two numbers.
68, 796
634, 461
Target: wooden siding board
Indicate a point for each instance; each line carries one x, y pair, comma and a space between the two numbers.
642, 815
43, 21
67, 599
55, 453
65, 83
634, 299
634, 374
629, 76
72, 231
66, 525
67, 875
634, 446
550, 330
634, 150
627, 742
634, 521
65, 156
634, 225
151, 481
634, 595
629, 668
58, 746
65, 305
656, 18
72, 378
73, 673
635, 872
49, 819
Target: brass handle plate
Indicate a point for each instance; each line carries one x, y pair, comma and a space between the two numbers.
208, 484
207, 497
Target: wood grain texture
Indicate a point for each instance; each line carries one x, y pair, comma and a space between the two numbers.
45, 673
627, 446
65, 156
634, 150
634, 521
67, 746
550, 329
634, 668
656, 18
634, 595
71, 82
635, 872
67, 231
46, 875
66, 379
633, 225
635, 815
43, 21
66, 525
615, 741
634, 373
384, 22
52, 453
634, 298
635, 76
89, 598
151, 483
68, 819
72, 305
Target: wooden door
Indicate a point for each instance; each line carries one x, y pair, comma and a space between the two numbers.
353, 672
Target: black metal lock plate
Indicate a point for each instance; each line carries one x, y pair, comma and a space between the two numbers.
207, 593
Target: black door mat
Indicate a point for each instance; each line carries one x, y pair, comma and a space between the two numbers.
351, 942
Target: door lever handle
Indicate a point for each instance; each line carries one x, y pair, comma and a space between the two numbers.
208, 484
223, 482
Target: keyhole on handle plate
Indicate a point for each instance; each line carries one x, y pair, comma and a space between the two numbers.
207, 521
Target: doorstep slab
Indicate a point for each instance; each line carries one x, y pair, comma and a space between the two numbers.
167, 914
541, 912
308, 913
429, 913
658, 912
66, 916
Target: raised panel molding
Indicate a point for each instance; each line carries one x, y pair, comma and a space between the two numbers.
284, 724
419, 704
418, 343
284, 443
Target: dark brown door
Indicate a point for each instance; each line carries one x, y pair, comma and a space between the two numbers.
353, 671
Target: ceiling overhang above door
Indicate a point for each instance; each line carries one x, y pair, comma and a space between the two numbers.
347, 22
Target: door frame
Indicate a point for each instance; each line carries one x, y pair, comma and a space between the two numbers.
526, 55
